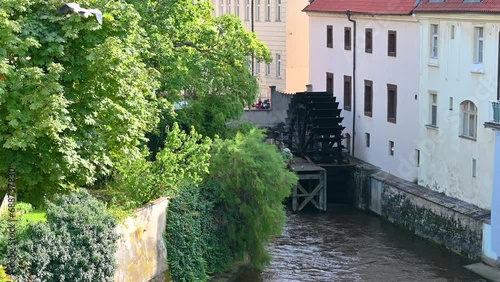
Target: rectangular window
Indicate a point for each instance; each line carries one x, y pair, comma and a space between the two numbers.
417, 158
434, 41
257, 10
278, 10
367, 139
451, 103
368, 97
229, 7
474, 168
247, 10
391, 148
237, 8
329, 82
347, 93
221, 8
368, 40
268, 69
479, 45
278, 65
257, 67
391, 43
433, 109
268, 10
329, 36
347, 38
392, 102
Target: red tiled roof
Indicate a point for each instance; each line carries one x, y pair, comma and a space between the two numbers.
485, 6
379, 7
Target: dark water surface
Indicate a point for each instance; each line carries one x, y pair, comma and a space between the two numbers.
345, 244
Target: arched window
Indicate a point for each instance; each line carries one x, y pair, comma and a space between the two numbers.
468, 122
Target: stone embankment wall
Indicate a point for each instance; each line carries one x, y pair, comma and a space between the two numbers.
444, 220
141, 254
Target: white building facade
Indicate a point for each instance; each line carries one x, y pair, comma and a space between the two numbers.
459, 71
460, 107
379, 100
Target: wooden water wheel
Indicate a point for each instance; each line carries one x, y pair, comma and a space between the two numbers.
313, 127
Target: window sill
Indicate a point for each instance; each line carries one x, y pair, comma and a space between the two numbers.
433, 63
467, 137
477, 68
430, 126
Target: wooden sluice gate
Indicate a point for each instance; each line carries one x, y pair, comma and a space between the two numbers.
311, 187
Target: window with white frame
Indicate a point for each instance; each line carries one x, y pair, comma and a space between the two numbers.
257, 67
229, 7
433, 109
247, 10
268, 69
237, 8
434, 41
278, 65
221, 7
478, 44
468, 126
268, 10
278, 10
257, 11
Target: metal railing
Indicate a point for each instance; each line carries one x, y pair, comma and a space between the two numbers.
494, 111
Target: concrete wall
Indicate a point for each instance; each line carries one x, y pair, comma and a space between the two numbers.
447, 221
402, 70
446, 158
141, 254
270, 118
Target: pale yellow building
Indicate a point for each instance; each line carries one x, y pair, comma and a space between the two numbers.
284, 28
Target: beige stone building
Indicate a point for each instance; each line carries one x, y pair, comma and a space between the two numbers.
284, 28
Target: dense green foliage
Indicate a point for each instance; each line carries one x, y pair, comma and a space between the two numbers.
253, 185
183, 159
196, 240
202, 59
75, 96
233, 214
76, 243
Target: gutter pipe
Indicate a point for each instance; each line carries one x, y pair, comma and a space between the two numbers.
348, 14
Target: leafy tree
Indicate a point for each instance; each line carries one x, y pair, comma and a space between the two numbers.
184, 159
75, 96
253, 182
202, 59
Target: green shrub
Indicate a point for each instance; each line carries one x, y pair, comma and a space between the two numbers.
253, 185
195, 237
183, 236
76, 243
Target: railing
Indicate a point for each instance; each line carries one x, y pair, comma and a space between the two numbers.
495, 111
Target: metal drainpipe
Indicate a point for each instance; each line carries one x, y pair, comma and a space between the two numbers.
251, 20
348, 13
498, 71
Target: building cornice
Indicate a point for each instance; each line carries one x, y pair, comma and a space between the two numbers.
358, 16
470, 17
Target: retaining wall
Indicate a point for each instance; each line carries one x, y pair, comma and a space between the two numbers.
444, 220
141, 254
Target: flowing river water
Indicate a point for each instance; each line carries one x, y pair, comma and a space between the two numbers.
345, 244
